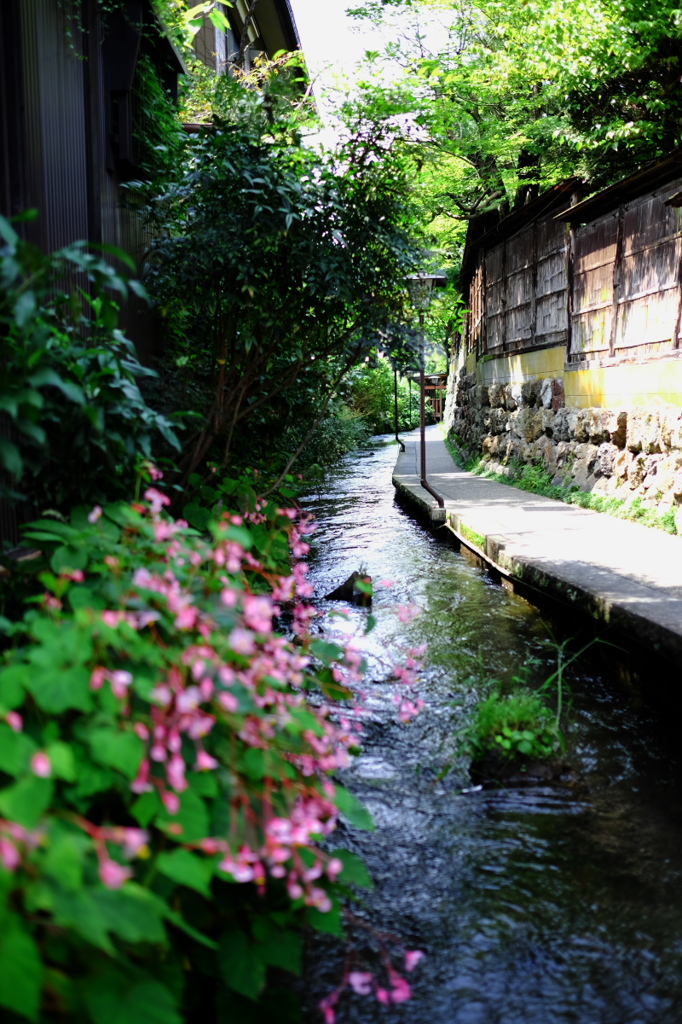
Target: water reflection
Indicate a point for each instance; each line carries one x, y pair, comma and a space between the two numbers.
535, 906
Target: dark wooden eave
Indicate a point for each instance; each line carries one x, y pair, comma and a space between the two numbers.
648, 178
556, 198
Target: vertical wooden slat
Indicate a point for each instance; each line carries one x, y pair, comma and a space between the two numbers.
533, 282
617, 281
570, 264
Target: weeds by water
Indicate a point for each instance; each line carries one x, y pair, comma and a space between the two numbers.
516, 722
538, 480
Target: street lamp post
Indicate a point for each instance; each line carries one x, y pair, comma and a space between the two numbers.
421, 286
395, 406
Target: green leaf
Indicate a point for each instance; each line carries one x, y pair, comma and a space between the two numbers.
16, 749
62, 761
58, 689
132, 912
179, 922
63, 860
67, 387
65, 558
197, 516
8, 233
253, 763
78, 910
26, 801
330, 923
13, 680
145, 808
10, 459
279, 947
144, 1002
241, 966
354, 869
326, 652
240, 535
352, 809
192, 818
116, 749
188, 869
21, 972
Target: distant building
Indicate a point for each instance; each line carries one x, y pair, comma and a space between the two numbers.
572, 357
272, 30
68, 115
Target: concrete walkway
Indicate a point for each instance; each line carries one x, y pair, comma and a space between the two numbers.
624, 574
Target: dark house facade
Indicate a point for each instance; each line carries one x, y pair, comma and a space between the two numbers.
67, 142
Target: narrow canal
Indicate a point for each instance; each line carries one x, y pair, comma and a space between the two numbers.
539, 905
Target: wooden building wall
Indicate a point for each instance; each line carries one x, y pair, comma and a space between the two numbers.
609, 290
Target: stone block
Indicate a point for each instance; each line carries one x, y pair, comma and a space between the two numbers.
547, 451
558, 394
621, 464
614, 426
606, 455
547, 418
531, 393
560, 426
496, 396
643, 431
498, 420
636, 471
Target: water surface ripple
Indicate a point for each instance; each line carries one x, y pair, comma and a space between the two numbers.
537, 905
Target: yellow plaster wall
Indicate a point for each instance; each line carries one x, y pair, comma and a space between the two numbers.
514, 369
610, 387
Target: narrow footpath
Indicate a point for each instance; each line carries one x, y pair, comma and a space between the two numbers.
622, 573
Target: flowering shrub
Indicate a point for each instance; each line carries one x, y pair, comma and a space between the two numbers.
164, 782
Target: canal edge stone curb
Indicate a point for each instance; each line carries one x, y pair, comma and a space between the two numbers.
650, 615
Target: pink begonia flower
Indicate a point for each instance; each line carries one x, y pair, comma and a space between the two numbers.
229, 597
155, 474
400, 989
14, 721
388, 583
407, 612
142, 783
206, 688
326, 1005
156, 499
135, 839
76, 575
242, 641
334, 868
258, 613
41, 766
141, 730
120, 681
361, 982
170, 801
9, 855
383, 996
239, 871
113, 875
175, 770
412, 958
205, 762
97, 678
95, 514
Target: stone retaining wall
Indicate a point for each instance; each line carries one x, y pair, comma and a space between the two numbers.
634, 453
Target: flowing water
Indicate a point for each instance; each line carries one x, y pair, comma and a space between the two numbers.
534, 905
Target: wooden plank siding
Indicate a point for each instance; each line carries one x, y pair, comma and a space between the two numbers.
610, 290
